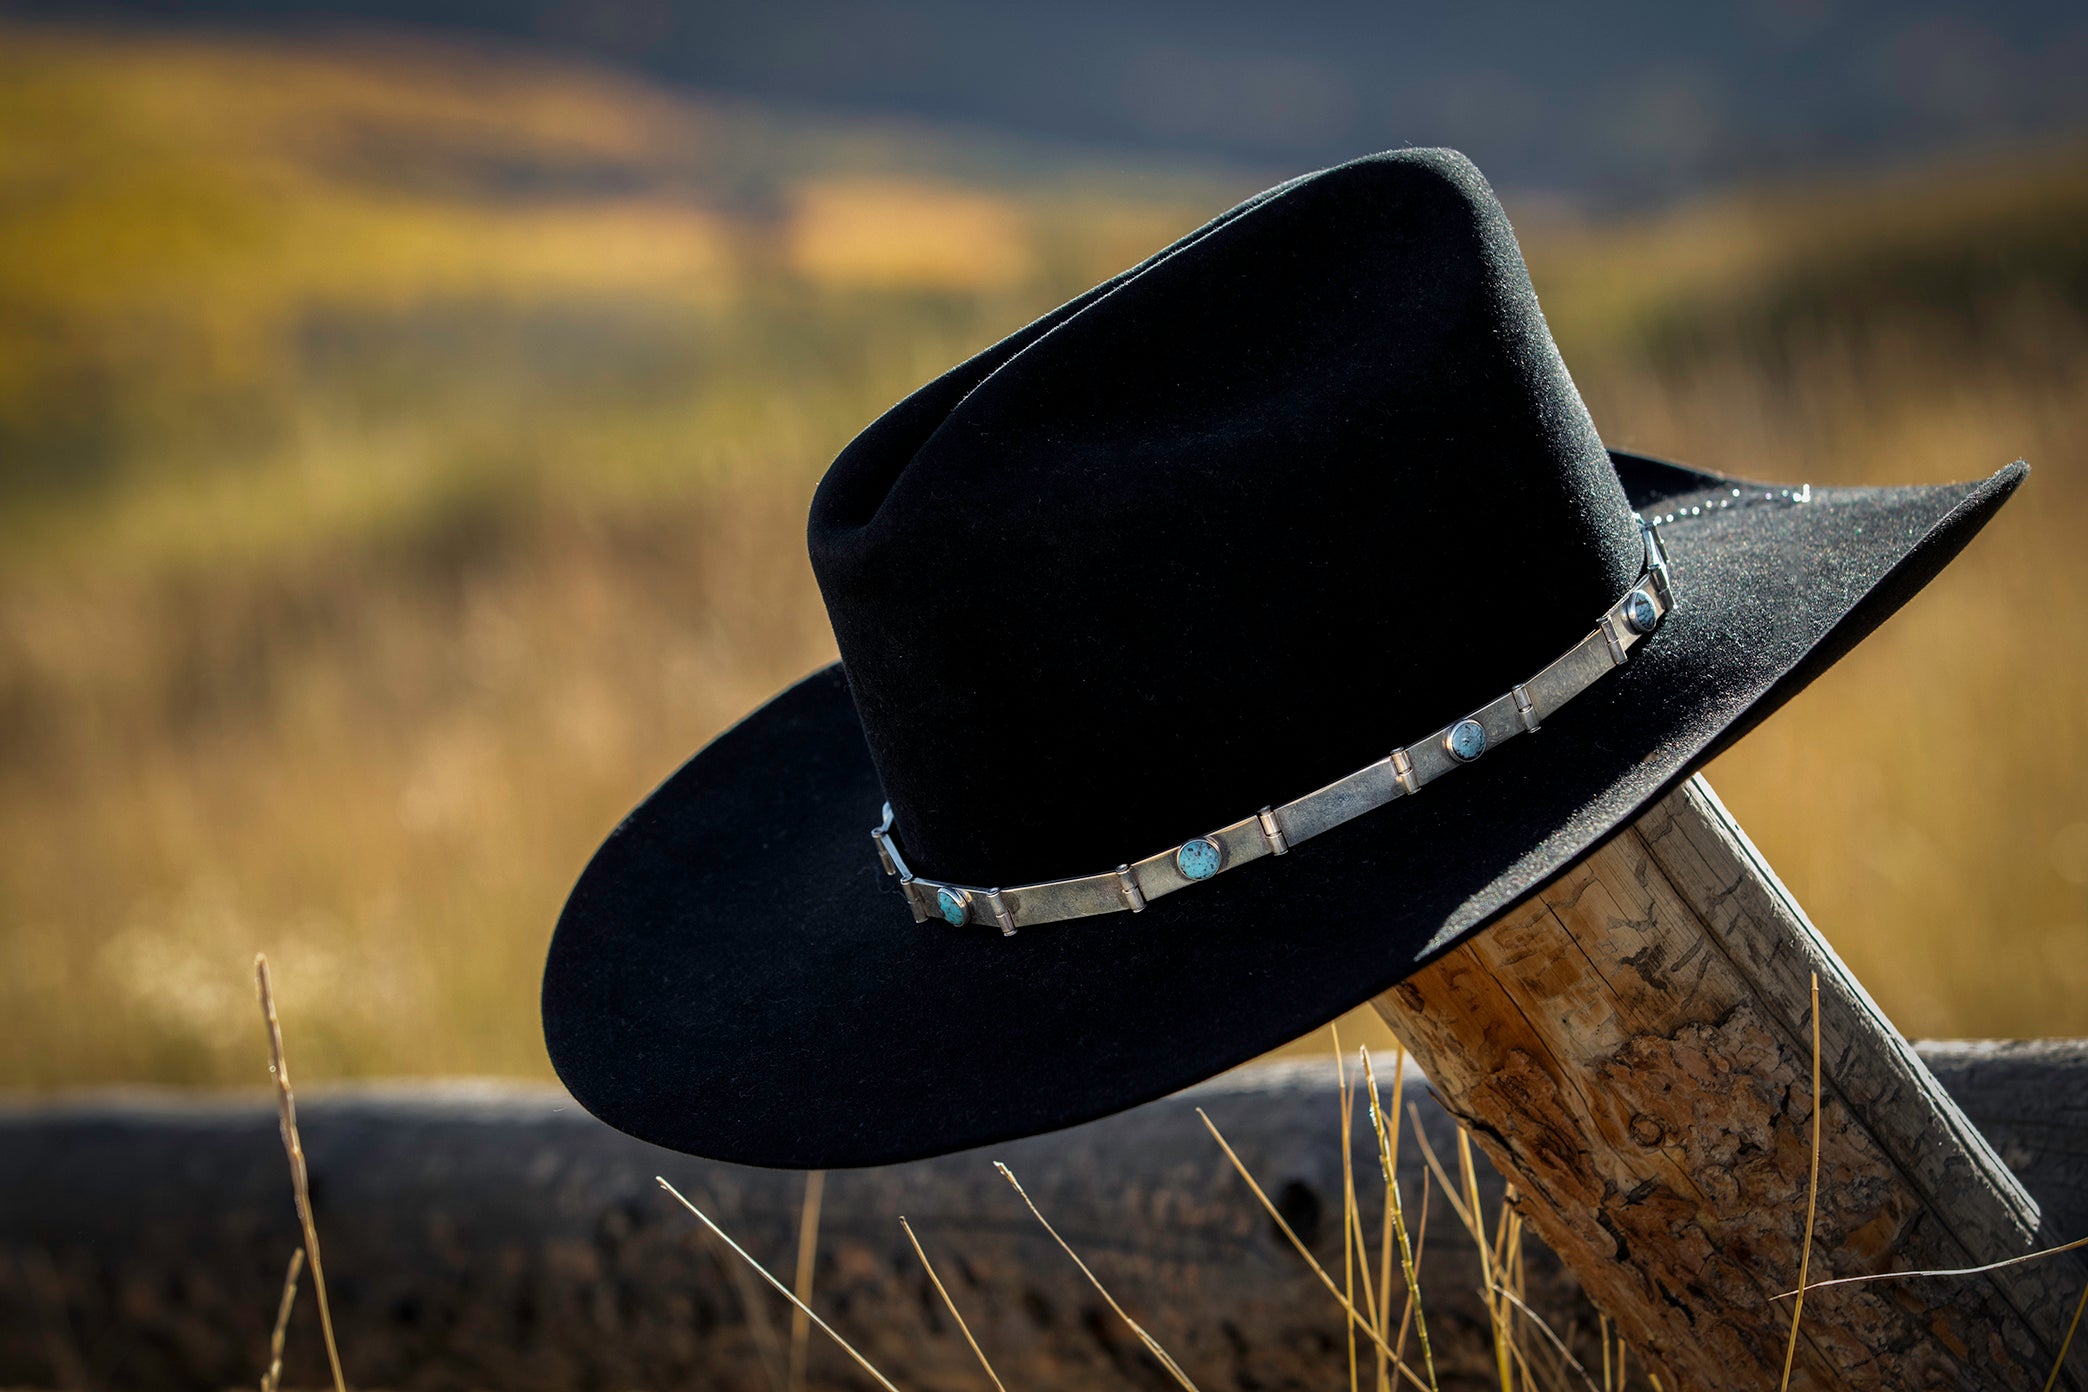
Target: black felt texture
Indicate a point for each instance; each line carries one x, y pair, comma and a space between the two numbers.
1202, 540
1308, 484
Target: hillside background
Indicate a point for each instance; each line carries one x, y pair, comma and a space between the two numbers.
406, 431
1611, 101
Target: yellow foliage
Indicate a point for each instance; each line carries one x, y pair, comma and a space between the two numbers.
404, 454
891, 234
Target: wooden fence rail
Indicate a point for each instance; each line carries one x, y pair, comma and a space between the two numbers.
495, 1236
1632, 1047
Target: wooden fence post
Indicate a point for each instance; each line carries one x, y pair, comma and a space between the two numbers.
1632, 1048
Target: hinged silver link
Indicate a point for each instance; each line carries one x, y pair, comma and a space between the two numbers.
1272, 833
1127, 885
1608, 626
1526, 708
1403, 772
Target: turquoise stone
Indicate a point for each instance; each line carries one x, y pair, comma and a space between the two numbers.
953, 906
1467, 740
1639, 612
1198, 859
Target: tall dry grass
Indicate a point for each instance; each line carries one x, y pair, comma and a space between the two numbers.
403, 462
1522, 1349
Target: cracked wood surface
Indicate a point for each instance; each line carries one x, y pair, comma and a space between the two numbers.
1632, 1048
497, 1236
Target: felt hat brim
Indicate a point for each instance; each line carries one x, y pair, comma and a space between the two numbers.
735, 977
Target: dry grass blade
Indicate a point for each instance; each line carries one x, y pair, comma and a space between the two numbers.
2058, 1363
1499, 1254
1812, 1192
1520, 1359
785, 1291
1388, 1161
293, 1146
273, 1377
949, 1304
1348, 1202
2039, 1255
1475, 1222
1413, 1304
1302, 1250
808, 1249
1388, 1156
1384, 1309
1544, 1327
768, 1346
1510, 1272
1152, 1345
1355, 1252
1442, 1175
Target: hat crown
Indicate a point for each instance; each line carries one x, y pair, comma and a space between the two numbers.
1308, 484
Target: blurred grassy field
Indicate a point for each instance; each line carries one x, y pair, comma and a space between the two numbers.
404, 454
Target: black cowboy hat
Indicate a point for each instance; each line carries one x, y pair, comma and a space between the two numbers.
1113, 599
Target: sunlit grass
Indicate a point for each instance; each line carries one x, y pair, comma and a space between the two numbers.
403, 464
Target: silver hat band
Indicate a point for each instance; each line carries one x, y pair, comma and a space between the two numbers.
1273, 831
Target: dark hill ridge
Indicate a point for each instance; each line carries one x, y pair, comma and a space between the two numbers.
1617, 100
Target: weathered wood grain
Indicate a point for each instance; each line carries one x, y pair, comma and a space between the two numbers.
2029, 1098
1632, 1049
499, 1237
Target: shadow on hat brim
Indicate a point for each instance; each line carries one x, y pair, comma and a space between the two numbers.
735, 977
